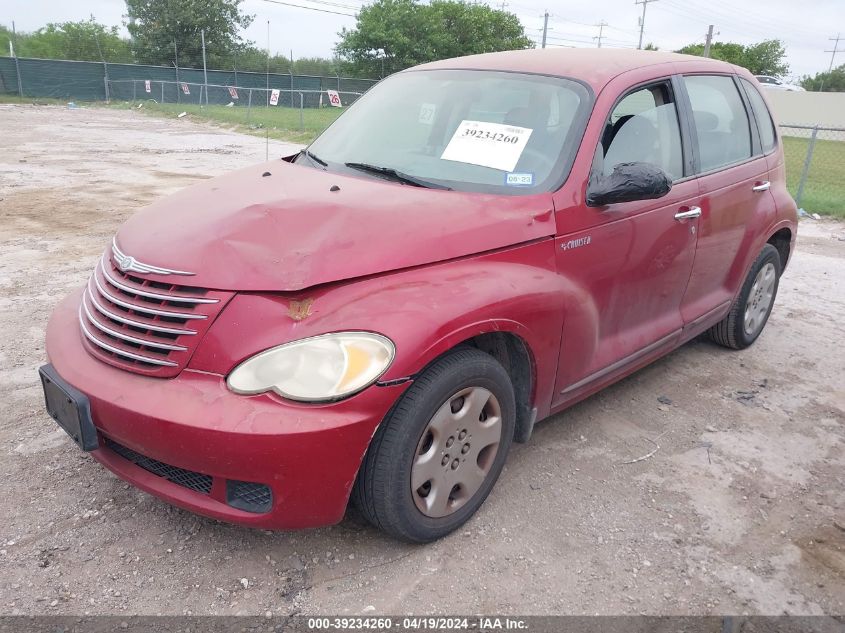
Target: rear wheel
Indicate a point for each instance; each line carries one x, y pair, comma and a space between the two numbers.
751, 310
437, 455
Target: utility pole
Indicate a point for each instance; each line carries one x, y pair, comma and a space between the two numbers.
503, 5
105, 65
708, 41
833, 52
267, 75
546, 27
17, 63
601, 26
642, 19
204, 69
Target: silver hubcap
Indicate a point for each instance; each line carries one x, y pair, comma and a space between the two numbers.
759, 299
456, 451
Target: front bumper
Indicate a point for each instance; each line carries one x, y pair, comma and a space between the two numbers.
308, 455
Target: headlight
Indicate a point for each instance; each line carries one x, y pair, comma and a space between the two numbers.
321, 368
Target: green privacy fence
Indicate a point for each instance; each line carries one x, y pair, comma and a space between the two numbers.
89, 81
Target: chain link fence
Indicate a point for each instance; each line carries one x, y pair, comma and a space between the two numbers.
244, 101
815, 167
93, 81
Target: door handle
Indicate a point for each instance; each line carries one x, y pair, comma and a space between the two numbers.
689, 212
762, 186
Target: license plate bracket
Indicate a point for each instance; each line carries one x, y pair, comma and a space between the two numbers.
69, 407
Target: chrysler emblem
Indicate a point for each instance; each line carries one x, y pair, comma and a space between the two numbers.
124, 262
127, 263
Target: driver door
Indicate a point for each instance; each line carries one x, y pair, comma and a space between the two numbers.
628, 264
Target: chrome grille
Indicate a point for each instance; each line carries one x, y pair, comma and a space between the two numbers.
143, 324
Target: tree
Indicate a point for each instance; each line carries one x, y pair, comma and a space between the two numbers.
83, 41
394, 34
155, 25
833, 81
317, 66
70, 40
252, 59
764, 58
5, 38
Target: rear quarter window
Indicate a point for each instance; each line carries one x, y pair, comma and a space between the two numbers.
766, 125
722, 126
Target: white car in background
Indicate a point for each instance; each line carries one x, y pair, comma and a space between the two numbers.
767, 81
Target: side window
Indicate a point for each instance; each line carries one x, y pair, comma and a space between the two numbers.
764, 120
721, 122
643, 128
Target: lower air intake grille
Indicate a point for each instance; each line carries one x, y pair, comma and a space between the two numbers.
249, 497
186, 478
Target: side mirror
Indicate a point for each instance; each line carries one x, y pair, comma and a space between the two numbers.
627, 183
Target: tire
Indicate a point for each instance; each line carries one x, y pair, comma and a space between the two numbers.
420, 426
733, 330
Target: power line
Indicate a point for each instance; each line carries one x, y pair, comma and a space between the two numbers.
299, 6
567, 39
724, 13
756, 26
698, 19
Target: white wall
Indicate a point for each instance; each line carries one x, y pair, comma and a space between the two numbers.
807, 108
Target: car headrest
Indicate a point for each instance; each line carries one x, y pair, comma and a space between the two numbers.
705, 121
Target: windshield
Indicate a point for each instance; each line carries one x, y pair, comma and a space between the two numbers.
467, 130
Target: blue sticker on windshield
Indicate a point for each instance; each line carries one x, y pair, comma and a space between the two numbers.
516, 179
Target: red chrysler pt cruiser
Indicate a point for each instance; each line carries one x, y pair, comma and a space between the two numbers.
477, 244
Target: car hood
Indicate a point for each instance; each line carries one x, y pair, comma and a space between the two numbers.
284, 227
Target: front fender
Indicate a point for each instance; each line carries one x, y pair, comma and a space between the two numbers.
425, 311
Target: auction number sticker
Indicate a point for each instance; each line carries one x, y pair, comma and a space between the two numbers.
427, 112
491, 145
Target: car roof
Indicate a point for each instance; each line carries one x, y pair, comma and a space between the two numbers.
595, 66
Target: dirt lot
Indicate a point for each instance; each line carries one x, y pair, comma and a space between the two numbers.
741, 510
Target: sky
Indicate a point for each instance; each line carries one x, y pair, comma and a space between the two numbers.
804, 27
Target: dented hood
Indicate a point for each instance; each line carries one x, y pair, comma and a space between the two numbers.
288, 230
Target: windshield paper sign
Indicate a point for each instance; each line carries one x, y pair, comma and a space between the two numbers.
487, 144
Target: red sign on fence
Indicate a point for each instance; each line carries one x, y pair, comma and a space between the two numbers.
274, 97
334, 98
147, 86
233, 92
186, 89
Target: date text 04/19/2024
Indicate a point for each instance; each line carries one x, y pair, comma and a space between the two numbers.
423, 623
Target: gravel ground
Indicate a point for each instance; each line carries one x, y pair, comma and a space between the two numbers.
741, 510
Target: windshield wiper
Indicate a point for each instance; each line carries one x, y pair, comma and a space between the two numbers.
315, 158
398, 176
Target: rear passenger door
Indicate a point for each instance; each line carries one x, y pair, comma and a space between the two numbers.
732, 174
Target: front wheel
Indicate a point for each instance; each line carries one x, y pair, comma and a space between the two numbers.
438, 453
750, 312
